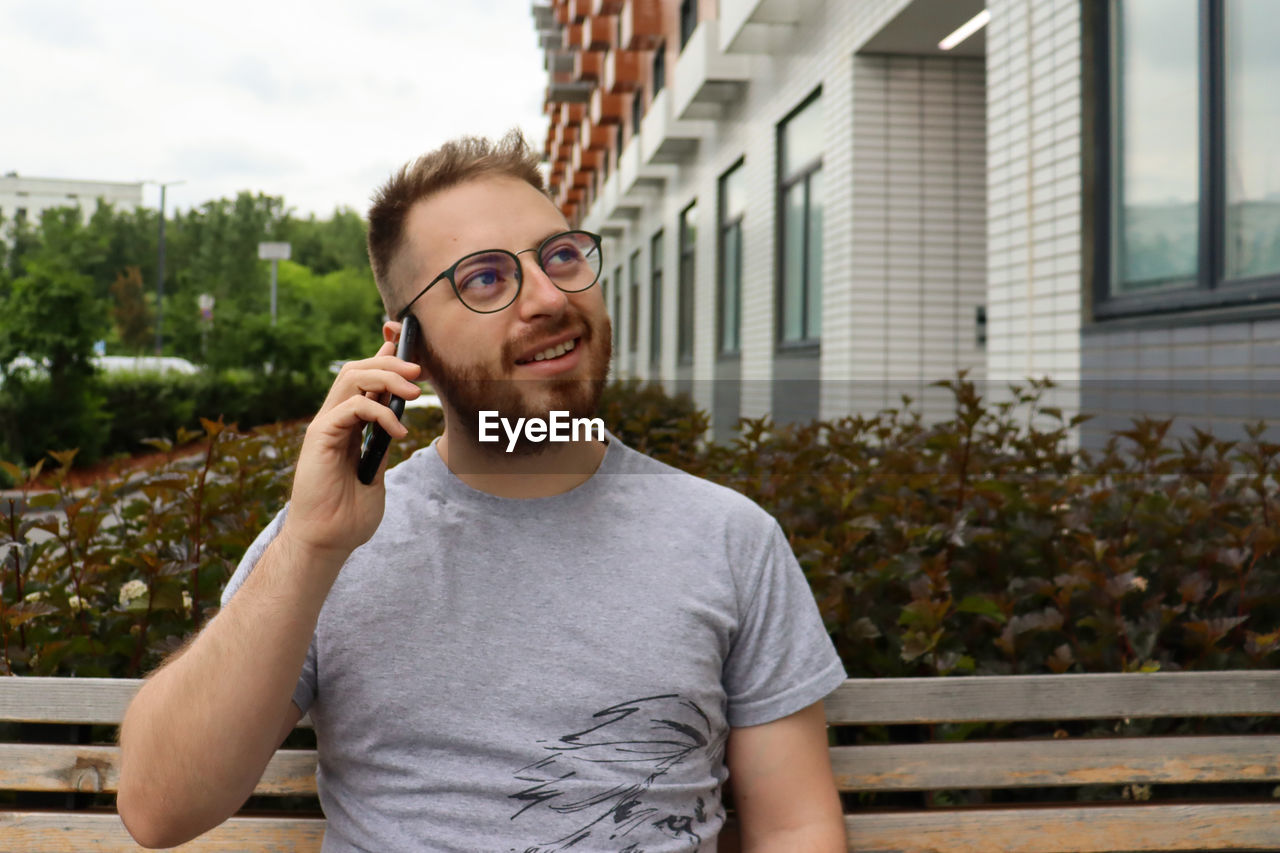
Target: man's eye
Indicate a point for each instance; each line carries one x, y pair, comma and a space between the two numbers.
481, 280
566, 254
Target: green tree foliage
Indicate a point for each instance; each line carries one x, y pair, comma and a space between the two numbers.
67, 282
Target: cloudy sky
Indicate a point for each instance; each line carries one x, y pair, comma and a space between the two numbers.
314, 101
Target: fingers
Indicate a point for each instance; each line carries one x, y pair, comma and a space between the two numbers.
342, 423
374, 378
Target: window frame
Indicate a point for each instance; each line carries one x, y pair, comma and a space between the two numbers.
656, 248
633, 306
688, 20
803, 175
1209, 287
723, 226
687, 271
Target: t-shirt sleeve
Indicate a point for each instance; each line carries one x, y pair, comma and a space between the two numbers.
305, 691
782, 659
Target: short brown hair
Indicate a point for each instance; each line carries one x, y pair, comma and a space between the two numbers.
458, 160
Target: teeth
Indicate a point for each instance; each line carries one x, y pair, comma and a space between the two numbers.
554, 352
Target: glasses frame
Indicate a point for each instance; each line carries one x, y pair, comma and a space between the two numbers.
448, 274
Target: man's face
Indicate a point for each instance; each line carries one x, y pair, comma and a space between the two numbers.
486, 361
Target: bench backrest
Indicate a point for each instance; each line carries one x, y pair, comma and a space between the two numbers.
1072, 762
878, 768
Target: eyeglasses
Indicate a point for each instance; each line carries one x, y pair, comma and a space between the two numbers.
490, 280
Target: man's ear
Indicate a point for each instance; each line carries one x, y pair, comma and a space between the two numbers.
391, 331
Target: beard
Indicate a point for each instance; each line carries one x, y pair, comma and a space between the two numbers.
470, 389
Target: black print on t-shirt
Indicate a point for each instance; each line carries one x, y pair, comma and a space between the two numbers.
650, 736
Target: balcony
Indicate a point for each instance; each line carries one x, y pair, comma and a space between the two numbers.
585, 159
597, 137
605, 216
622, 70
641, 24
572, 113
761, 26
705, 78
587, 65
571, 37
606, 7
566, 134
607, 108
666, 139
579, 9
640, 183
598, 32
564, 90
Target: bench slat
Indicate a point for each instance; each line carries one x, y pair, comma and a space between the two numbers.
1073, 761
45, 699
1088, 829
991, 698
102, 832
69, 767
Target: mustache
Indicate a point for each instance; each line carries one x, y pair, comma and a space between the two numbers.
512, 349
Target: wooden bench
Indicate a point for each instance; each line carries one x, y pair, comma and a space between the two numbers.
908, 771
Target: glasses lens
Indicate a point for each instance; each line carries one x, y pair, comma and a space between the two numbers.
572, 260
487, 281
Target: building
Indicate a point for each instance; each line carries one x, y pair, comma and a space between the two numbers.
812, 207
23, 198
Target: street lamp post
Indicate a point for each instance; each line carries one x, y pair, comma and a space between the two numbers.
274, 252
160, 267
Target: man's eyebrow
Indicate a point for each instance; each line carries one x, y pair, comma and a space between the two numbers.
547, 236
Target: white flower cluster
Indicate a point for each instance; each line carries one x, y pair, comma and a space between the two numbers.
132, 591
77, 604
33, 597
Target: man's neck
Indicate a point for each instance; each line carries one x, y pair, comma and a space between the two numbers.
556, 470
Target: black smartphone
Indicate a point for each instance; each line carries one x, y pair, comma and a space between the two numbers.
376, 439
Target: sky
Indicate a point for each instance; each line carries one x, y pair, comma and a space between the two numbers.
314, 101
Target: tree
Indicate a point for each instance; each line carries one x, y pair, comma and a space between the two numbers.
130, 312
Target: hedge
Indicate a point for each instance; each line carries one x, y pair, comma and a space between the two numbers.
987, 543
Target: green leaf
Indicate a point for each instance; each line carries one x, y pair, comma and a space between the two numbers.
983, 606
44, 500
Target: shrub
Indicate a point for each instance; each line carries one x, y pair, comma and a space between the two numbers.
984, 543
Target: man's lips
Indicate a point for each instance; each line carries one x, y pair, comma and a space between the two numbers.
562, 363
550, 350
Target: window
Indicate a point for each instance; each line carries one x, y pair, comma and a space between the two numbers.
617, 309
688, 245
733, 205
637, 112
800, 225
655, 301
659, 69
688, 20
633, 315
1192, 216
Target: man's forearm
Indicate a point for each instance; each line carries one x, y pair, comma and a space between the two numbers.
197, 736
827, 837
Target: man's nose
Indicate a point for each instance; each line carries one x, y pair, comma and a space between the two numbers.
539, 294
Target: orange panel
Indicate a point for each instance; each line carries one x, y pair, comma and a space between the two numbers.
572, 113
599, 32
607, 108
622, 70
587, 65
641, 24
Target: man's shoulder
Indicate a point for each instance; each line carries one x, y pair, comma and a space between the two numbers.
682, 490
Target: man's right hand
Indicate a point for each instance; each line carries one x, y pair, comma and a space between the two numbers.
331, 512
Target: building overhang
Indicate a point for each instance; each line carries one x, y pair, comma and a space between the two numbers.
667, 139
921, 24
705, 77
761, 26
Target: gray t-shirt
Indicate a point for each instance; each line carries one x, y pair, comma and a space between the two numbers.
528, 676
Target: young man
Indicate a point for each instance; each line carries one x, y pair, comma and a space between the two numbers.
557, 646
